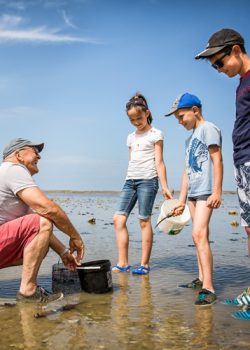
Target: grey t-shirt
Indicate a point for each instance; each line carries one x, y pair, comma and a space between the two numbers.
198, 160
13, 178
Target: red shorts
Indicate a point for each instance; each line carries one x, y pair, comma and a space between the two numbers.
14, 236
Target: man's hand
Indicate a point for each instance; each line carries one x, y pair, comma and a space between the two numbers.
69, 261
76, 244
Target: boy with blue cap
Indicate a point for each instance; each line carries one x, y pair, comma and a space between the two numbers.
203, 152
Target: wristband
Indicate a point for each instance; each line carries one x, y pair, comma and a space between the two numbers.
66, 250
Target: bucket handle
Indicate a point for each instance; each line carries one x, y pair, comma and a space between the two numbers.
171, 213
88, 267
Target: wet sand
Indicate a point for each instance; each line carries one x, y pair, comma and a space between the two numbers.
142, 312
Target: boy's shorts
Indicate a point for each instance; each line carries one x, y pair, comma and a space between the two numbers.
14, 237
202, 197
242, 177
142, 190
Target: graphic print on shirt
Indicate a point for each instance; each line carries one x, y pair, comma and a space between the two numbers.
198, 154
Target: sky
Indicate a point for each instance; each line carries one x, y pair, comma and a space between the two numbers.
68, 67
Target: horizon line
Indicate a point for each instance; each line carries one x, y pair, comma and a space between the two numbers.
115, 191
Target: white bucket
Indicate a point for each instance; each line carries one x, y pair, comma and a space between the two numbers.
174, 224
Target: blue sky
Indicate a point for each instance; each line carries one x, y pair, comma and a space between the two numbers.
68, 68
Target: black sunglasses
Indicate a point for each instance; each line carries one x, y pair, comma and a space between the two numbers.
218, 64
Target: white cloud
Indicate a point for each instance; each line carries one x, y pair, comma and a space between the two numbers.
40, 34
67, 20
11, 31
10, 21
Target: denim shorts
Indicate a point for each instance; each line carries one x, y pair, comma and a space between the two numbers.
242, 177
142, 190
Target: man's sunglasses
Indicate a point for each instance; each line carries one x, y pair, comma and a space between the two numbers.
218, 64
33, 148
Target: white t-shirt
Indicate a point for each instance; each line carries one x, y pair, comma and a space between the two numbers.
142, 156
13, 178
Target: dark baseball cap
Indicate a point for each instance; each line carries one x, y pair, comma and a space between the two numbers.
184, 101
219, 40
18, 143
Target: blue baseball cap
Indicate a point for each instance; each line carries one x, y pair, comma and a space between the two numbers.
184, 101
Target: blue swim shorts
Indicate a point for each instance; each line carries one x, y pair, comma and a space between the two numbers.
242, 177
143, 191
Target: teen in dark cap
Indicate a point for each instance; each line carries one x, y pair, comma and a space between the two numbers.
226, 51
227, 54
223, 39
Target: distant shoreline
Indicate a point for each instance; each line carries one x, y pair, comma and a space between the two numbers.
109, 191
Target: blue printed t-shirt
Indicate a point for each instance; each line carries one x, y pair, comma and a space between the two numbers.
198, 160
241, 131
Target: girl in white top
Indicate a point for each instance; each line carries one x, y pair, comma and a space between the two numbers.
146, 166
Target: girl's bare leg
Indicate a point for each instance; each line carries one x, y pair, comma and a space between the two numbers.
147, 241
122, 239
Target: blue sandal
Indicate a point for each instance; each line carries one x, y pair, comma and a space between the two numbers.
242, 300
118, 268
242, 315
141, 270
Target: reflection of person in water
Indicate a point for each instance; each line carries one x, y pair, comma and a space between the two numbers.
32, 337
129, 309
203, 328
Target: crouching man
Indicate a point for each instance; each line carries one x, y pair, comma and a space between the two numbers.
27, 217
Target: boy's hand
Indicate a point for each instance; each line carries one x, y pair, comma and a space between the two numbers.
166, 193
178, 208
214, 201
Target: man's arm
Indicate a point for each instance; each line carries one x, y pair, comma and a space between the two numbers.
45, 207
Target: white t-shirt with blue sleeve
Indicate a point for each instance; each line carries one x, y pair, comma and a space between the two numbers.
198, 161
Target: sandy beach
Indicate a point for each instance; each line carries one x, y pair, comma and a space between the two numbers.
142, 312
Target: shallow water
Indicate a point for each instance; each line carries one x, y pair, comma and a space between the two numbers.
142, 312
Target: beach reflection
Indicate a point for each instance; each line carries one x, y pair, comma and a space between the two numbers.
138, 319
143, 312
57, 331
204, 324
30, 339
133, 310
